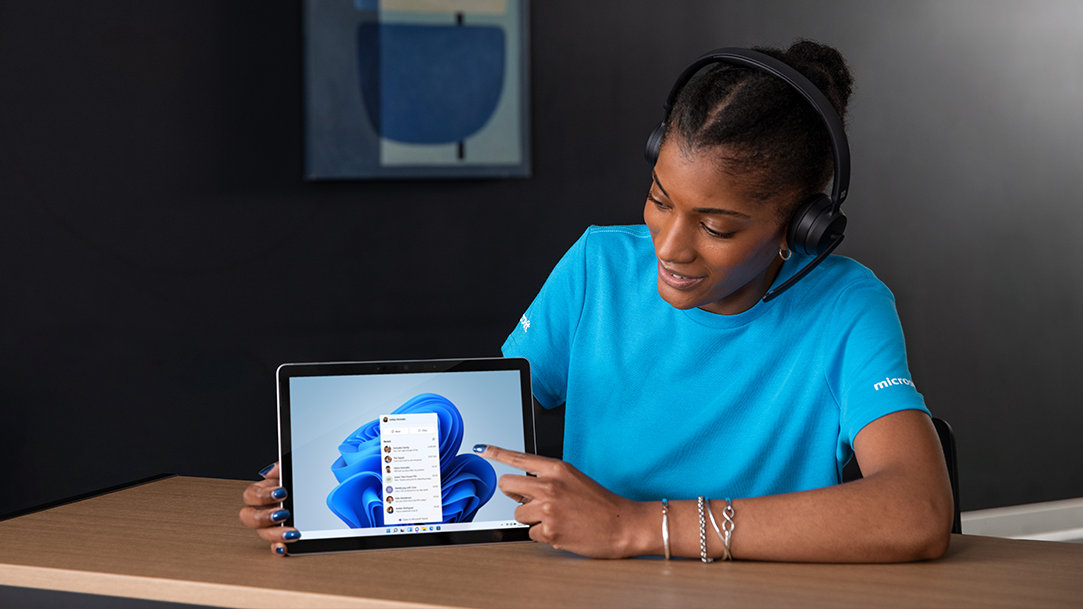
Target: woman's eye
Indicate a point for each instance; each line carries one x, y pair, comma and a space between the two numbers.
717, 234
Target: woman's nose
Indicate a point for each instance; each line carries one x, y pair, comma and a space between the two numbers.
673, 241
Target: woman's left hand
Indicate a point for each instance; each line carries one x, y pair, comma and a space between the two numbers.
570, 511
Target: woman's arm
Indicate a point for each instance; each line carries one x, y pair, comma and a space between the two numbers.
900, 511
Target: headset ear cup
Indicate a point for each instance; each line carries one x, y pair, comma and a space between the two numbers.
654, 143
815, 226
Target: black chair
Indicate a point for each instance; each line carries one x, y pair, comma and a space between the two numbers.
947, 440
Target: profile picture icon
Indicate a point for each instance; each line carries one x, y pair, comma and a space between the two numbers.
390, 490
385, 419
390, 510
387, 468
387, 459
387, 448
390, 499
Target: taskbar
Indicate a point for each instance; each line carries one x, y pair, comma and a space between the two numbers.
410, 529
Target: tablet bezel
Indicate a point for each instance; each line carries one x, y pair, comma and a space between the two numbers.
371, 542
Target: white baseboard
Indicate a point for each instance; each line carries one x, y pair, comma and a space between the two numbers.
1048, 521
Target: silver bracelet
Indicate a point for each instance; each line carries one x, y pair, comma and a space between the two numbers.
714, 524
665, 525
727, 527
703, 533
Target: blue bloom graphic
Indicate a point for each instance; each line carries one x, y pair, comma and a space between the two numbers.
467, 481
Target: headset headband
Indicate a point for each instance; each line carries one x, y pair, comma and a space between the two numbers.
840, 184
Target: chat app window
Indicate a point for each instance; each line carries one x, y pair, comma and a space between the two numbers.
411, 455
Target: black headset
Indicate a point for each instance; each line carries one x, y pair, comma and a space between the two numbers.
818, 223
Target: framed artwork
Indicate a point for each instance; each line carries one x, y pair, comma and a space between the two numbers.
416, 89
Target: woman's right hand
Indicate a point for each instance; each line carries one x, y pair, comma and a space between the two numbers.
263, 513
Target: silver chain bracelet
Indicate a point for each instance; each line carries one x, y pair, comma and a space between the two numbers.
703, 533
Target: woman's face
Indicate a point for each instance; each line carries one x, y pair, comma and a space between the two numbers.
717, 248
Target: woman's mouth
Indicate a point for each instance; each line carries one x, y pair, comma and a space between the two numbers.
676, 280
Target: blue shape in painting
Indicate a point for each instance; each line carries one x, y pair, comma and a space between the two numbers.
467, 481
430, 84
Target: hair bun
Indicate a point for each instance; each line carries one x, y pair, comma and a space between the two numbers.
825, 67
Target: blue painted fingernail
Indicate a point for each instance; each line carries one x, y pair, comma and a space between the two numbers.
279, 493
291, 535
280, 515
480, 448
280, 550
263, 472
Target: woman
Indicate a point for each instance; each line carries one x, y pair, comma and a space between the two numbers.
682, 382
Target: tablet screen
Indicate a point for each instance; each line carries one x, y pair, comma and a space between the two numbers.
379, 454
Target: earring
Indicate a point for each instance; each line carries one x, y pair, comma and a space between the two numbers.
784, 253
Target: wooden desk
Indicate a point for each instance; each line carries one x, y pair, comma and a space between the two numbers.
179, 540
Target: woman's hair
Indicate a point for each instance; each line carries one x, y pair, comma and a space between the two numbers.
762, 129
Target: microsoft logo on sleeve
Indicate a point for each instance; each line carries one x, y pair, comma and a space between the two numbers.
892, 381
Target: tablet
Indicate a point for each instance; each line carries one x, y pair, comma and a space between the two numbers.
379, 454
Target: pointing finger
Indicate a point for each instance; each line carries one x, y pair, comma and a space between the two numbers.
531, 464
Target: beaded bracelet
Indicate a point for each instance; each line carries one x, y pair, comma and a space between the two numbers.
703, 533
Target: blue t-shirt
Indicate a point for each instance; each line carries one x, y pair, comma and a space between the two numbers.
663, 402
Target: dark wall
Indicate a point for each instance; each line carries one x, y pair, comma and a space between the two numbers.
161, 255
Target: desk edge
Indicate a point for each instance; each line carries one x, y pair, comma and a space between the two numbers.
183, 591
